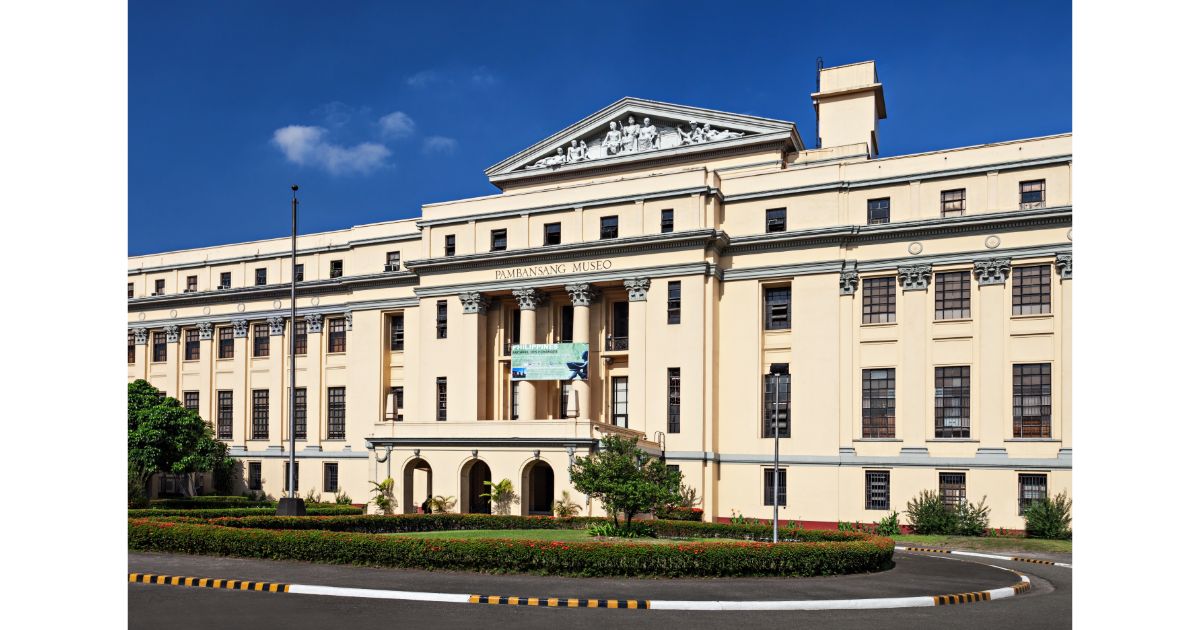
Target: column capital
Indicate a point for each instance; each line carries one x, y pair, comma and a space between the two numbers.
528, 299
474, 302
239, 328
1063, 262
848, 282
314, 321
349, 320
992, 270
582, 293
172, 333
140, 335
637, 288
915, 277
205, 329
275, 325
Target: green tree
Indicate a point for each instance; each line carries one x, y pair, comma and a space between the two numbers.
625, 479
165, 437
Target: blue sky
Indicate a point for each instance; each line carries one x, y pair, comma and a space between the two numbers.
374, 108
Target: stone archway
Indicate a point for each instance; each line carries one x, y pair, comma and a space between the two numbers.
418, 484
471, 485
537, 488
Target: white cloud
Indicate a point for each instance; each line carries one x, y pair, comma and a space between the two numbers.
423, 79
396, 125
306, 146
439, 144
482, 77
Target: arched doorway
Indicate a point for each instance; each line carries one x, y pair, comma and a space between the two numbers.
418, 484
473, 475
537, 482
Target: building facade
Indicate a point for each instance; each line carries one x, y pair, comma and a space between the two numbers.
905, 322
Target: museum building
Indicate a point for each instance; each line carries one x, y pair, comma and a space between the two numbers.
904, 322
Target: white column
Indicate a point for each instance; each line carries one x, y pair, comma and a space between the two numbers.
528, 300
582, 295
637, 288
173, 365
475, 306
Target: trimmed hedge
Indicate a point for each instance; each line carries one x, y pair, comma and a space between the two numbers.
204, 514
854, 553
201, 503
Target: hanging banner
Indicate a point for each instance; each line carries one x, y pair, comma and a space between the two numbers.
549, 361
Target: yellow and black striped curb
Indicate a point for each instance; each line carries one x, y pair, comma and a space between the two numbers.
977, 554
961, 598
560, 602
1033, 560
235, 585
927, 549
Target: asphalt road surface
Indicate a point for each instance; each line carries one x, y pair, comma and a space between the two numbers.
1046, 605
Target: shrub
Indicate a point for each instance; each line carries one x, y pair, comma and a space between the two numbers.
565, 507
501, 495
384, 499
312, 496
202, 503
681, 514
341, 510
635, 529
341, 498
442, 504
1049, 518
971, 519
889, 525
928, 515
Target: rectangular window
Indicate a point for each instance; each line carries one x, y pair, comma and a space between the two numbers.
129, 288
673, 400
499, 240
160, 287
260, 276
226, 280
337, 334
776, 220
441, 398
620, 401
1030, 488
335, 269
777, 308
514, 334
397, 334
450, 245
191, 344
225, 343
393, 262
224, 414
564, 399
300, 272
262, 340
191, 400
442, 319
608, 227
619, 339
879, 300
879, 211
254, 476
879, 403
514, 399
395, 404
294, 481
260, 425
1031, 290
952, 295
1033, 194
674, 302
879, 490
566, 316
337, 413
954, 202
192, 284
769, 486
953, 489
301, 406
331, 476
1031, 400
952, 402
301, 340
777, 409
160, 347
666, 222
132, 348
552, 234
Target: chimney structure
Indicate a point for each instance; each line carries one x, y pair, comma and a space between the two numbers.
849, 105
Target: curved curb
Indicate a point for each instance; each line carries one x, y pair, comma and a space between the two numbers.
976, 554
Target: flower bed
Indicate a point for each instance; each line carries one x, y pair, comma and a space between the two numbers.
354, 540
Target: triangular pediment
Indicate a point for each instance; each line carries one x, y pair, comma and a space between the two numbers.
635, 129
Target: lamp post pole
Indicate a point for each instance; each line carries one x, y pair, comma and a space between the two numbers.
775, 474
291, 505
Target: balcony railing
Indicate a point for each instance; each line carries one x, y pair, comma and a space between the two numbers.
613, 344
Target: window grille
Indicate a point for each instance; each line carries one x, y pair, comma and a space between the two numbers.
260, 276
1031, 400
1033, 194
952, 295
301, 406
191, 344
254, 476
673, 400
952, 402
1031, 290
331, 477
450, 245
132, 348
879, 300
225, 343
499, 240
441, 398
337, 413
620, 401
397, 335
337, 334
191, 400
262, 340
260, 425
225, 414
674, 301
666, 222
769, 486
785, 405
1030, 488
953, 489
776, 220
954, 202
777, 308
879, 211
160, 347
879, 403
879, 490
442, 319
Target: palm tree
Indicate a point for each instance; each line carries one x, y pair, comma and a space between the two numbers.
565, 507
501, 494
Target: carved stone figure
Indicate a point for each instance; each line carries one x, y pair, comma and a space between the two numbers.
553, 160
694, 135
612, 140
578, 151
647, 136
629, 136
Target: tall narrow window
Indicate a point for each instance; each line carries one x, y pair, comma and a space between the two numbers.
262, 340
442, 318
777, 409
337, 413
1031, 290
1030, 489
879, 211
260, 276
499, 240
335, 269
160, 347
260, 417
879, 300
301, 340
191, 400
300, 272
619, 339
952, 402
226, 280
952, 295
564, 399
224, 414
777, 308
301, 403
254, 476
552, 234
566, 316
666, 222
132, 348
1033, 194
954, 202
514, 399
397, 334
191, 344
160, 287
225, 342
129, 289
879, 403
392, 262
450, 245
395, 404
337, 334
608, 227
441, 398
952, 486
1031, 400
331, 476
620, 401
776, 220
514, 329
192, 284
879, 490
673, 400
769, 486
674, 302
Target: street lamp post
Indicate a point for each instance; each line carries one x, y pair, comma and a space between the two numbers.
291, 505
777, 372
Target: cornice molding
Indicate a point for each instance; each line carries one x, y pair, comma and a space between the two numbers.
260, 316
661, 271
589, 203
344, 284
467, 442
984, 458
324, 249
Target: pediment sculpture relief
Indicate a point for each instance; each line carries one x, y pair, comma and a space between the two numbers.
629, 137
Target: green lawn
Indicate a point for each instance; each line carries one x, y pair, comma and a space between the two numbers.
973, 543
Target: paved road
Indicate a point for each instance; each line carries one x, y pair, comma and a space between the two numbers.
1048, 605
